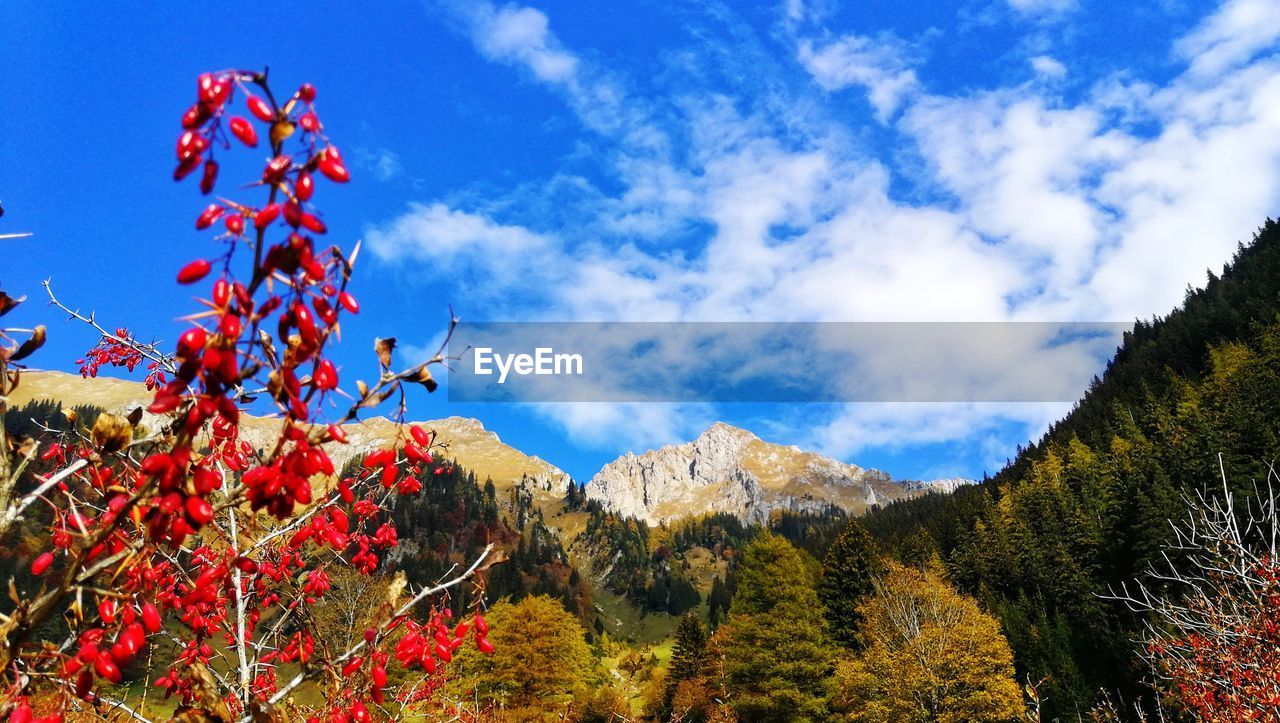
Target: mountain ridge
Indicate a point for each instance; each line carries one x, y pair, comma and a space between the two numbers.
724, 469
730, 469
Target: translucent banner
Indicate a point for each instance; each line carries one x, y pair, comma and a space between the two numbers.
778, 362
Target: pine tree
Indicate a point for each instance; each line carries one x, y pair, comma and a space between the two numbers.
688, 661
848, 577
777, 657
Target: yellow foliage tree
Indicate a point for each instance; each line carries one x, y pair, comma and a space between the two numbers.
931, 655
541, 661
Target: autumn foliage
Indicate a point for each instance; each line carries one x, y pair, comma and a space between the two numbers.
169, 536
1213, 636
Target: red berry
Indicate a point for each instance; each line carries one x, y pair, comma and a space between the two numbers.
199, 510
107, 611
107, 669
325, 376
211, 213
243, 129
222, 289
349, 302
307, 92
151, 617
210, 176
185, 168
213, 91
312, 224
235, 224
305, 188
195, 116
263, 218
331, 165
259, 108
41, 564
483, 645
191, 143
194, 271
192, 341
275, 170
309, 121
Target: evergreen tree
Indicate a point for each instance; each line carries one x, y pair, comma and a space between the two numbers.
776, 653
688, 661
848, 576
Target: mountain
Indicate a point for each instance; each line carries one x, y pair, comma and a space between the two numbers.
468, 442
727, 469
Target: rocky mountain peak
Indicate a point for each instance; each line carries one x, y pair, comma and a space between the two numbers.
729, 469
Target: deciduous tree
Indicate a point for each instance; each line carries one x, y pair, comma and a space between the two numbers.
541, 660
931, 655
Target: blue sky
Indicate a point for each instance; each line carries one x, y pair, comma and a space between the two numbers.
1044, 160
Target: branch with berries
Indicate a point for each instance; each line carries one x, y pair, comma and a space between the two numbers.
192, 538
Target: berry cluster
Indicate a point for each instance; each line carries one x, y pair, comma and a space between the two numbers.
198, 535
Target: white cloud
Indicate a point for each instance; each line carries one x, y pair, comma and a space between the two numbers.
898, 426
1032, 206
1048, 67
382, 163
519, 34
874, 64
1231, 36
605, 425
1043, 7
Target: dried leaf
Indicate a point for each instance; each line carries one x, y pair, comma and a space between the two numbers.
72, 415
207, 692
383, 348
497, 557
268, 348
30, 345
379, 398
424, 378
8, 302
135, 416
396, 589
362, 388
111, 433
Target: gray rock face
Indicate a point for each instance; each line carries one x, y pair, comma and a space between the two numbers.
727, 469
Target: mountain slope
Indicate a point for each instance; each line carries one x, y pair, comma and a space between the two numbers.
477, 448
727, 469
1191, 402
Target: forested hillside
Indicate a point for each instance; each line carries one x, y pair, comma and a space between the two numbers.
1189, 399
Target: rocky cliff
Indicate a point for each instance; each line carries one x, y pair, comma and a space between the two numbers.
727, 469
